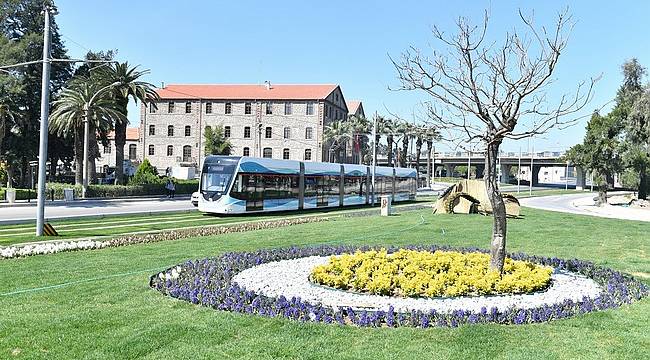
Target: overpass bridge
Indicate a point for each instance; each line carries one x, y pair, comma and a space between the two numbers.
443, 164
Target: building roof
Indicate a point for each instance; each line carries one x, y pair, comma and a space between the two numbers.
353, 106
246, 92
132, 134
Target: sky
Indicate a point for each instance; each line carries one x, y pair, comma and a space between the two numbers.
349, 43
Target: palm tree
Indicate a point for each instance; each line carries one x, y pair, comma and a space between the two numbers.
359, 128
84, 95
430, 134
336, 133
129, 88
381, 129
405, 129
389, 129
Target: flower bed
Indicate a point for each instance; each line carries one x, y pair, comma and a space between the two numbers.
428, 274
51, 247
208, 282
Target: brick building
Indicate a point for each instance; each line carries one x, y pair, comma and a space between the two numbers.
276, 121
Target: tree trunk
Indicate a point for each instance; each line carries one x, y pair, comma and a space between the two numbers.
389, 141
10, 175
499, 231
120, 141
53, 164
602, 191
405, 150
643, 184
78, 155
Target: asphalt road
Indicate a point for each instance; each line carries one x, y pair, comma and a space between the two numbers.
561, 203
81, 208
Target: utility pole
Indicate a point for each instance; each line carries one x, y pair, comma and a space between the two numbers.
469, 163
374, 155
433, 167
45, 113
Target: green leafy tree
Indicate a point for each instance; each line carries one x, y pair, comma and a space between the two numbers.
600, 152
22, 24
215, 141
130, 87
145, 174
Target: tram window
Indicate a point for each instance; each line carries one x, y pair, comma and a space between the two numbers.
354, 185
215, 178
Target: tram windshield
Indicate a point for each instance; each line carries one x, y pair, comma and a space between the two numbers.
216, 178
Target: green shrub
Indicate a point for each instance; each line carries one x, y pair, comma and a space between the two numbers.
145, 174
183, 187
21, 194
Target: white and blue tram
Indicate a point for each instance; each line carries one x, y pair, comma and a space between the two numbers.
237, 185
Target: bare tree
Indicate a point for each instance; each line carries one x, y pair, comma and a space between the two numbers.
480, 92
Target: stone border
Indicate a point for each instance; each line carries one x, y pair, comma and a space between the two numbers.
209, 282
290, 278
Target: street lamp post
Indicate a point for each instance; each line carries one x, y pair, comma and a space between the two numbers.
84, 187
374, 155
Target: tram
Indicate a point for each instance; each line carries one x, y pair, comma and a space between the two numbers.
240, 184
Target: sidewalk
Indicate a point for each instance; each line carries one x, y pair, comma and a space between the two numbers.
18, 203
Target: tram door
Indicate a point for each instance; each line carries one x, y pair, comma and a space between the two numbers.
255, 192
322, 190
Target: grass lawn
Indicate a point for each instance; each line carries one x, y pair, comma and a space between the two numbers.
110, 312
69, 229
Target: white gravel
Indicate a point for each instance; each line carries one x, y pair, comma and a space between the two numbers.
291, 278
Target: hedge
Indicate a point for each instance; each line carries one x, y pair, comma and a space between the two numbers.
108, 191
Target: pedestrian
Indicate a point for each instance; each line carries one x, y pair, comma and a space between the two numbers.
171, 188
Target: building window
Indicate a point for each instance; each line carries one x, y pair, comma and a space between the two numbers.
188, 130
309, 133
152, 129
188, 107
247, 132
208, 108
267, 153
336, 96
170, 150
247, 109
310, 108
268, 133
170, 130
107, 149
187, 153
269, 108
287, 132
133, 150
285, 154
170, 107
247, 151
287, 108
151, 150
152, 108
228, 108
307, 154
226, 131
